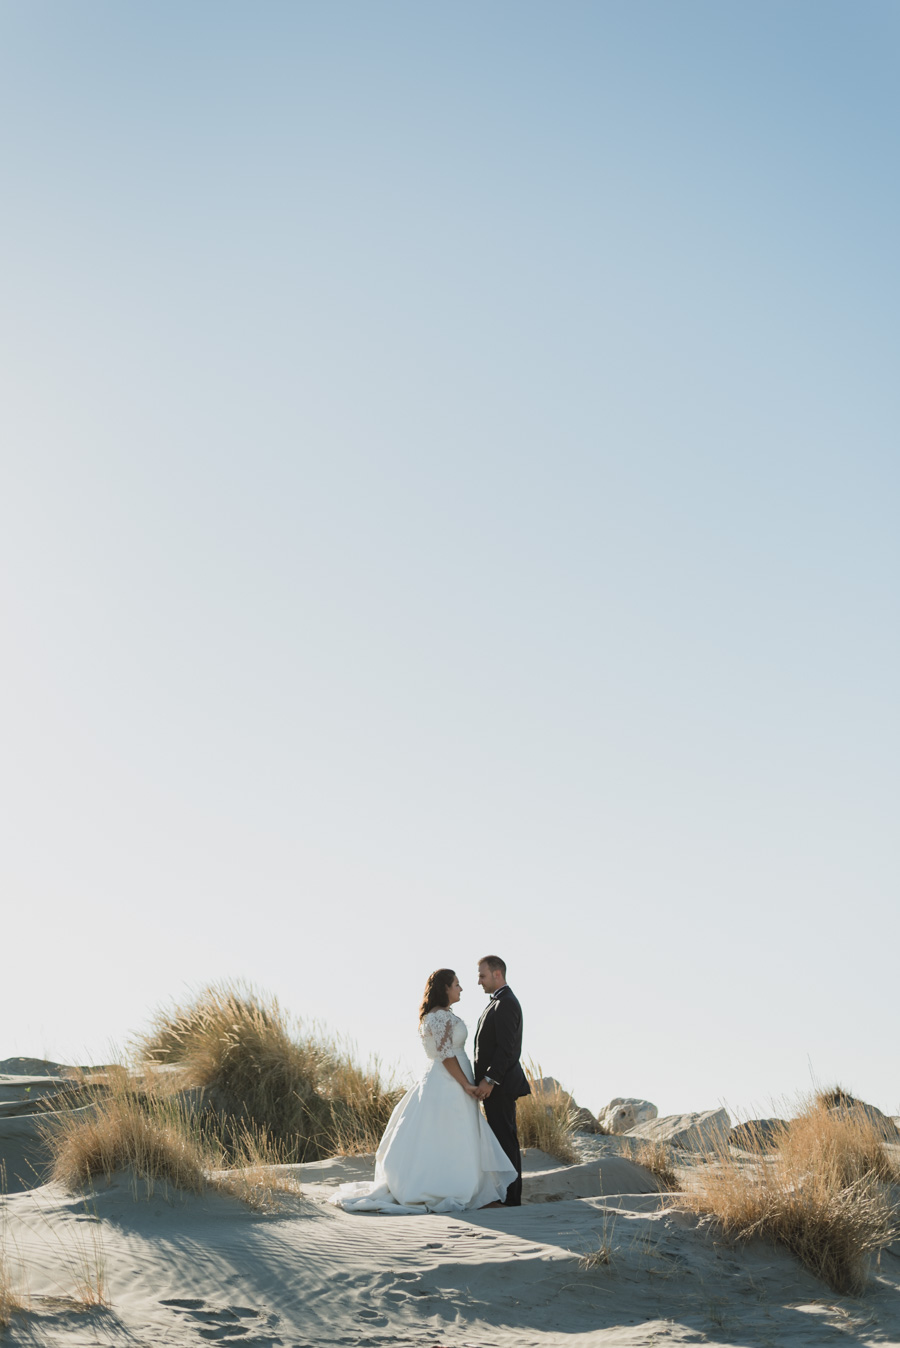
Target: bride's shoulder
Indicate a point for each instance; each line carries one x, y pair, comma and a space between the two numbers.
440, 1015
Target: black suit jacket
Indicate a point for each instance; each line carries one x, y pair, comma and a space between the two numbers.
498, 1045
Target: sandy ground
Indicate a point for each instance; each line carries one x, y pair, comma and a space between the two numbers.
183, 1270
113, 1266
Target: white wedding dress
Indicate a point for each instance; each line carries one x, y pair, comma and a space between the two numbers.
438, 1153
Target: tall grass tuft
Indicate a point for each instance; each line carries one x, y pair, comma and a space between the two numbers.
546, 1119
360, 1105
161, 1140
10, 1301
257, 1069
657, 1158
823, 1194
155, 1137
258, 1174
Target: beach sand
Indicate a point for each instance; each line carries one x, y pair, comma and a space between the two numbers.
178, 1270
181, 1270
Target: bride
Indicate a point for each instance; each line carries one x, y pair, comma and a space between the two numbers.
438, 1153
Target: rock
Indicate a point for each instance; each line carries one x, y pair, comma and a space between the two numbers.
882, 1123
548, 1086
624, 1113
585, 1121
840, 1102
690, 1132
583, 1118
757, 1134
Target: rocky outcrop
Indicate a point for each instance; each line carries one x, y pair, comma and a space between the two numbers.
625, 1112
882, 1123
690, 1132
758, 1134
583, 1118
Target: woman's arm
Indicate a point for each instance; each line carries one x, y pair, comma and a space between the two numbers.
453, 1067
439, 1024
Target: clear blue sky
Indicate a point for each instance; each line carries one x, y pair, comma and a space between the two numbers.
449, 504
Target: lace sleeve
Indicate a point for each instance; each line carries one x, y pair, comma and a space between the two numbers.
438, 1027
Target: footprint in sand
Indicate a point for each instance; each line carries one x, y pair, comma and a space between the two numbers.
223, 1324
372, 1318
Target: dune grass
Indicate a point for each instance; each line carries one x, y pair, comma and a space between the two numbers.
546, 1119
261, 1070
160, 1140
257, 1173
11, 1296
657, 1158
10, 1301
128, 1128
824, 1194
248, 1096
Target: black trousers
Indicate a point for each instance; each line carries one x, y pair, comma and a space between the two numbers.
500, 1111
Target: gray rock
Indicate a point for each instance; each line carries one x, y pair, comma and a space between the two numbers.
583, 1118
841, 1102
882, 1123
624, 1113
547, 1086
757, 1134
690, 1132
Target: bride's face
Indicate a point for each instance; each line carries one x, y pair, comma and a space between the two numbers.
454, 991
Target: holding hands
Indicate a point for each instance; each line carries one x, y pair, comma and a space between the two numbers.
479, 1092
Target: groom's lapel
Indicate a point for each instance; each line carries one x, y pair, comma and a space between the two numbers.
492, 1002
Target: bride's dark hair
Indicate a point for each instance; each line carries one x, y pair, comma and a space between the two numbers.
436, 993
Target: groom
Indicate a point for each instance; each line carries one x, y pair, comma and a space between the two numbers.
498, 1047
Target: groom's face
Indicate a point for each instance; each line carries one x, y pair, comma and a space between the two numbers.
488, 978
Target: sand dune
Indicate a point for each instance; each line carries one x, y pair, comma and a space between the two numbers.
182, 1270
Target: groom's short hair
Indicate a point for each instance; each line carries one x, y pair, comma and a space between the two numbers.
494, 962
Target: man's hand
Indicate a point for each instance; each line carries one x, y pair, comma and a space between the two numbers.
484, 1088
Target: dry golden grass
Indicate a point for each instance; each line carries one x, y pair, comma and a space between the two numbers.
598, 1258
360, 1105
546, 1119
249, 1099
603, 1255
161, 1141
823, 1194
656, 1157
258, 1174
258, 1069
154, 1137
10, 1301
11, 1298
91, 1288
